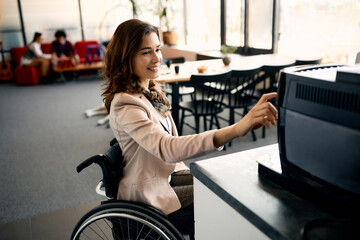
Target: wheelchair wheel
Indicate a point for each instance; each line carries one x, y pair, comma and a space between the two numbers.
125, 220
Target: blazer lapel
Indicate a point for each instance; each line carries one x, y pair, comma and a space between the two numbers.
173, 127
157, 114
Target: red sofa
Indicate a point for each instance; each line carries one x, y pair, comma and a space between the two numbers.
26, 75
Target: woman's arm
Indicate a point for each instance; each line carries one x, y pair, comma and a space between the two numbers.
36, 47
262, 114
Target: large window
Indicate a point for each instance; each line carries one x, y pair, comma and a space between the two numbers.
235, 22
251, 25
100, 18
10, 27
327, 28
260, 24
49, 16
203, 24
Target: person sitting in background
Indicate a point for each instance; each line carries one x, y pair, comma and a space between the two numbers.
34, 57
62, 50
142, 124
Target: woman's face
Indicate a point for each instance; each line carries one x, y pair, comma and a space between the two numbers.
147, 59
40, 39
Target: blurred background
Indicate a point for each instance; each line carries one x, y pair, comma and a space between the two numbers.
326, 28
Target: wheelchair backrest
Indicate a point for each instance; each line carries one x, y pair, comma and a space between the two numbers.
111, 163
112, 169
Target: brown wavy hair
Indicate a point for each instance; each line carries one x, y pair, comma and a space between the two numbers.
121, 49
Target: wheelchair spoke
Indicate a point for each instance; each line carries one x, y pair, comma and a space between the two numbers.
148, 234
128, 228
101, 228
137, 237
130, 224
96, 232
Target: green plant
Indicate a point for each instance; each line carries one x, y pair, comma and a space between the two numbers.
225, 49
165, 10
134, 8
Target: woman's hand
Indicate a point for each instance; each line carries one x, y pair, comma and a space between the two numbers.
262, 114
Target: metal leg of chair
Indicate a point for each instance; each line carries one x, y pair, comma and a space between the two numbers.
217, 122
232, 116
253, 135
263, 132
211, 122
205, 125
197, 124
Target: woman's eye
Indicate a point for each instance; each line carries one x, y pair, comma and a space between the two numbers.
144, 53
157, 50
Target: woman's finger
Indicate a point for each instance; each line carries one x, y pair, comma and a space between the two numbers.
269, 106
264, 112
266, 97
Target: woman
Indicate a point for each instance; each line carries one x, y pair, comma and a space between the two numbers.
141, 121
34, 57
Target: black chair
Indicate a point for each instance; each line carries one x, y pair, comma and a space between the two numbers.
207, 100
273, 73
182, 89
241, 93
117, 219
308, 61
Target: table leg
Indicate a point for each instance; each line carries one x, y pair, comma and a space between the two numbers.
175, 103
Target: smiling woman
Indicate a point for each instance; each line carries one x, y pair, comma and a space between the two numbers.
139, 116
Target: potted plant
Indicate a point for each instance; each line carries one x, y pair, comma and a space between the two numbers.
225, 50
166, 11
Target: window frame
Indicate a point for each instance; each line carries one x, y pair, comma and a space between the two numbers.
246, 50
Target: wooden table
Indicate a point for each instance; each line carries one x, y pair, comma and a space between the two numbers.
238, 62
80, 67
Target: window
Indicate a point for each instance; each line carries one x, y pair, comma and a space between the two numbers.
250, 24
101, 18
325, 28
49, 16
260, 24
203, 24
10, 28
235, 22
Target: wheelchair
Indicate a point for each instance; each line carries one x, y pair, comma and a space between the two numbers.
117, 219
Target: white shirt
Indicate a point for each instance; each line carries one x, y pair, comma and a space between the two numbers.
35, 47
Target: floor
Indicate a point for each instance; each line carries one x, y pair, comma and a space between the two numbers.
60, 223
55, 225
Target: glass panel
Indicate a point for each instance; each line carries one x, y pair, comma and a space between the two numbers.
325, 28
10, 29
100, 18
235, 22
175, 15
203, 24
49, 16
260, 24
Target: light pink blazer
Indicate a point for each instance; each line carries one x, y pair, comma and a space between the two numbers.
150, 152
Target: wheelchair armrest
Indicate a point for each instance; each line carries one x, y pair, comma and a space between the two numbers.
86, 163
